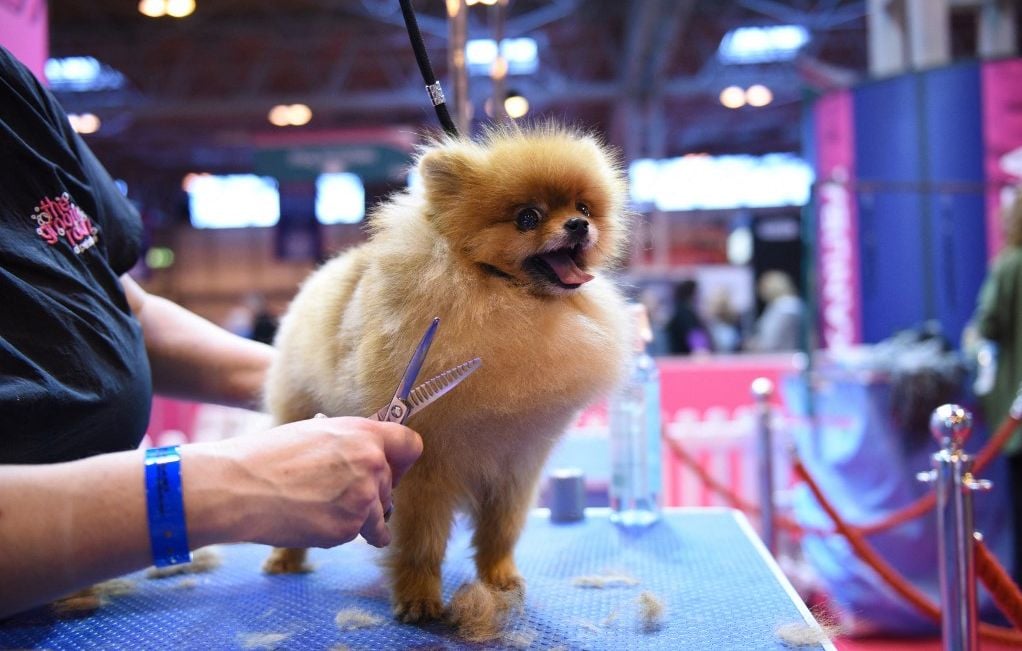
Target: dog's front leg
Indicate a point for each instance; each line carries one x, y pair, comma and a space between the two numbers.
499, 522
421, 525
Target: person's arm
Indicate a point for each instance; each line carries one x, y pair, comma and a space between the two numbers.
314, 483
195, 359
990, 314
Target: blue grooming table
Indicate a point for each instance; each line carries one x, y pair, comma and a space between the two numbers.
719, 587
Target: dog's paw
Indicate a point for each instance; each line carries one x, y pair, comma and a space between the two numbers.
286, 561
508, 583
418, 609
504, 576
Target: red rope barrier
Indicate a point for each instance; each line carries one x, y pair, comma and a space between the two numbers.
895, 518
734, 500
907, 591
1002, 588
996, 442
1006, 594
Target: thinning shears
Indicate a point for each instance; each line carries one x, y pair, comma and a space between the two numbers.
409, 400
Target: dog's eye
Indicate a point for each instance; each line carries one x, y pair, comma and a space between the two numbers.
582, 208
527, 219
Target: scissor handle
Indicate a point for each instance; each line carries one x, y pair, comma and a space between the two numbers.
395, 412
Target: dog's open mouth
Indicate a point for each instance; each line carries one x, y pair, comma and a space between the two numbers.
562, 267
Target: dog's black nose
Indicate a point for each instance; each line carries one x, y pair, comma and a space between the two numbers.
577, 226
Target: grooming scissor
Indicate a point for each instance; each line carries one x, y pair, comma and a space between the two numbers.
409, 400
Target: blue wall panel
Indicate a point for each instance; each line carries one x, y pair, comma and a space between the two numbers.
919, 163
954, 142
887, 158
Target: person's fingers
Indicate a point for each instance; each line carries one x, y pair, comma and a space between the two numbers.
386, 498
375, 530
402, 447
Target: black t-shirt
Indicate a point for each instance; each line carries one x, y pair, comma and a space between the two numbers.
74, 377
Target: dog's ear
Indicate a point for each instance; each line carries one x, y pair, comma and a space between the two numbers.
444, 171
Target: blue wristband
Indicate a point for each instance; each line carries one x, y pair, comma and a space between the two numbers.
168, 534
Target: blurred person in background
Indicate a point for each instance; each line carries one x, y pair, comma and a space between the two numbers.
998, 321
83, 348
724, 322
686, 332
659, 313
264, 324
779, 327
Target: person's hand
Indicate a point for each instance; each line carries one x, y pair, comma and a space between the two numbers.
313, 483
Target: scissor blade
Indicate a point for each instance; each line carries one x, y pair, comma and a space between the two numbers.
408, 380
433, 388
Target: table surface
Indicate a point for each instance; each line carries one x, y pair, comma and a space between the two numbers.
719, 587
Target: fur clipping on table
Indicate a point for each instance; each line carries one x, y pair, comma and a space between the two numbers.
350, 619
480, 613
519, 639
261, 640
651, 612
85, 602
798, 634
604, 581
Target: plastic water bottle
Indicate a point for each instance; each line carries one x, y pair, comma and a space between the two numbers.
635, 435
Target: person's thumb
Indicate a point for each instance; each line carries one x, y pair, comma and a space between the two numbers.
402, 447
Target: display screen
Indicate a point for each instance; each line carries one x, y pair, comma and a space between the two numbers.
340, 198
232, 201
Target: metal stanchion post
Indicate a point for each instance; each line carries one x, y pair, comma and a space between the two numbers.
954, 483
762, 389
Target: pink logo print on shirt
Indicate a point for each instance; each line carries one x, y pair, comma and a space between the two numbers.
61, 217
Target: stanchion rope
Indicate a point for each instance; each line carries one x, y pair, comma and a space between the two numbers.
1005, 593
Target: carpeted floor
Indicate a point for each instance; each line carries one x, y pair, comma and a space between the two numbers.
909, 644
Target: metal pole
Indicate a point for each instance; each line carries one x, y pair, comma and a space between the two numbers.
952, 475
457, 35
762, 389
498, 72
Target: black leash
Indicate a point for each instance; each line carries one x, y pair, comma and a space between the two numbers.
436, 93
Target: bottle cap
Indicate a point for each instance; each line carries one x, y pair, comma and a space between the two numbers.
567, 495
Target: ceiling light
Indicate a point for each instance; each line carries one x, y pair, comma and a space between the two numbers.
85, 123
732, 97
758, 95
278, 116
152, 8
289, 115
516, 106
762, 44
299, 114
172, 8
180, 8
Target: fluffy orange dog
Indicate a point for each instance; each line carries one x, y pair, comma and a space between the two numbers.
505, 243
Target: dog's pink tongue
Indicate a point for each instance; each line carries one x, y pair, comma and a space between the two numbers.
566, 269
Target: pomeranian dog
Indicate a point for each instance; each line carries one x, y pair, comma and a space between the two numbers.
505, 241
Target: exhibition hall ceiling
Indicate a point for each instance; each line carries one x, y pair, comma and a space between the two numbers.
196, 91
